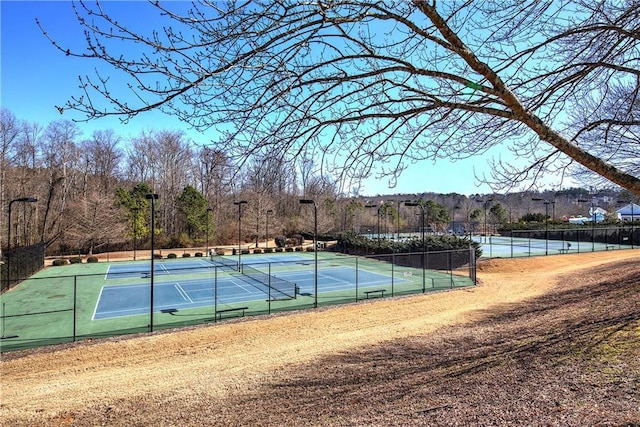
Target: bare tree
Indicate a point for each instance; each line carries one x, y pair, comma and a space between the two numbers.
140, 159
59, 153
371, 84
9, 132
103, 156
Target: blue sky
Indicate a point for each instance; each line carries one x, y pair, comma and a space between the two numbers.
35, 78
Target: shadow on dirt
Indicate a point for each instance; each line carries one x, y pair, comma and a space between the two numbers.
567, 358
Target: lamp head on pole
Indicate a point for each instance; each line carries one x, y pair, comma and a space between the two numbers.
24, 199
27, 199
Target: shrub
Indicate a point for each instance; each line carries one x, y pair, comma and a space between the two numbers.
268, 250
310, 249
92, 259
257, 251
59, 262
186, 255
281, 241
245, 252
279, 249
298, 249
75, 260
198, 254
296, 239
157, 256
172, 256
288, 249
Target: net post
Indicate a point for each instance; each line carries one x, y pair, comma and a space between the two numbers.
269, 287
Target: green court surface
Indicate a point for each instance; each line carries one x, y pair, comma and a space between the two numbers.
82, 301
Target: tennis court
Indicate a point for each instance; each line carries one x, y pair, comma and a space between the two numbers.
64, 304
511, 246
134, 299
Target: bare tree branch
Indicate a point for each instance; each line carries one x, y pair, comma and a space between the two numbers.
360, 83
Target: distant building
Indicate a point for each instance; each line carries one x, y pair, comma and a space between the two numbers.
630, 212
597, 214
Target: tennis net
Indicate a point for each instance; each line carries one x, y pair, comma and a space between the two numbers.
282, 287
224, 263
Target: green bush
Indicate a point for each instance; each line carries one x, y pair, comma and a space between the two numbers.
280, 241
59, 262
279, 249
75, 260
257, 251
198, 254
351, 241
157, 256
186, 255
92, 259
298, 249
172, 256
288, 249
310, 249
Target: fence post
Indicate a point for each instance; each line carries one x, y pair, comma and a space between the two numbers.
215, 295
269, 299
511, 232
393, 262
450, 261
472, 264
356, 279
75, 304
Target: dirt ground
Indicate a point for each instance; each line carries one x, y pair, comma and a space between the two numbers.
541, 341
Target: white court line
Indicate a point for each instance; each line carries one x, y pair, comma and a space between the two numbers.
242, 284
107, 273
182, 292
95, 309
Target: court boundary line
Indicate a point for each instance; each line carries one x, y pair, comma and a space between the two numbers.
183, 292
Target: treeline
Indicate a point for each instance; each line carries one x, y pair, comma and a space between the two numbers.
91, 195
84, 188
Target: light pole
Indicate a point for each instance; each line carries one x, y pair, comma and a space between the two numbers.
153, 197
593, 222
631, 235
239, 205
270, 211
315, 245
20, 200
135, 230
422, 235
546, 221
485, 203
208, 221
398, 202
370, 206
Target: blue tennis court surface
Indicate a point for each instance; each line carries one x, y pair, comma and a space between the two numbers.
137, 270
127, 300
131, 270
117, 301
